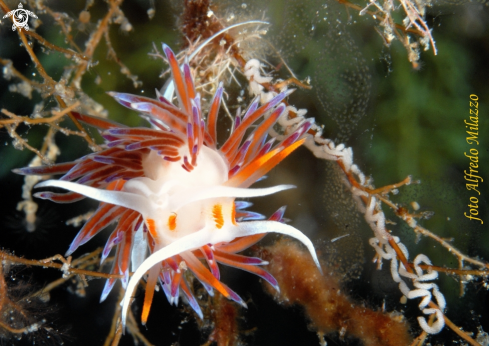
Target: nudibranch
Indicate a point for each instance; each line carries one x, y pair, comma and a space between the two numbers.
171, 191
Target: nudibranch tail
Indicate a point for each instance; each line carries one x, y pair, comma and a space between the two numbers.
170, 191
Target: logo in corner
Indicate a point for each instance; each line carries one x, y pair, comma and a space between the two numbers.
20, 17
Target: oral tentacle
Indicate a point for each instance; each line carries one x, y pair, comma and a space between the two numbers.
201, 238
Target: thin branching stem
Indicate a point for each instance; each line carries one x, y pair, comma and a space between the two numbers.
49, 45
94, 40
49, 264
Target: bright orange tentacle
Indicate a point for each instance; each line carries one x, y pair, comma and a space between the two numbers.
175, 283
203, 274
260, 131
189, 81
145, 134
261, 166
212, 116
98, 219
238, 134
97, 122
240, 244
125, 255
233, 150
152, 228
69, 197
59, 168
167, 116
178, 80
150, 290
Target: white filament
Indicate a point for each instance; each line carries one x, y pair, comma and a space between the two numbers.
120, 198
142, 205
206, 236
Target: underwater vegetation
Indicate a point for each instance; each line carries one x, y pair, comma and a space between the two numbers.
356, 134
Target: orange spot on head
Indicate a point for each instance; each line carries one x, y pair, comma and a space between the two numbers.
151, 227
172, 222
233, 215
217, 214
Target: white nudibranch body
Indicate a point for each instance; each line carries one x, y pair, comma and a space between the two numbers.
171, 191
